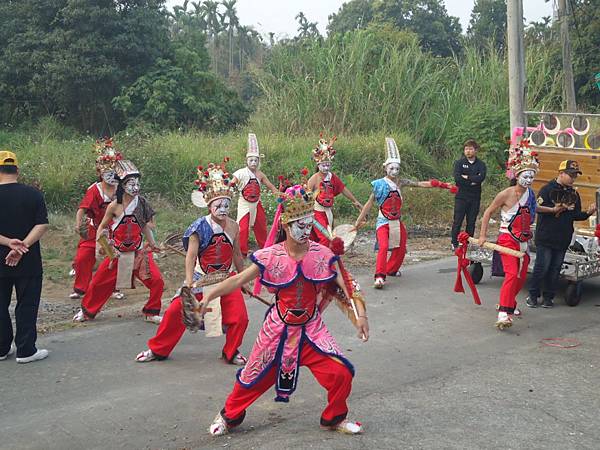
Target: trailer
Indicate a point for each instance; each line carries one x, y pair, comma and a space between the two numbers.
557, 137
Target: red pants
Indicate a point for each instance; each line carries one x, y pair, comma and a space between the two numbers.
84, 262
315, 234
104, 282
385, 266
260, 229
514, 278
333, 375
170, 330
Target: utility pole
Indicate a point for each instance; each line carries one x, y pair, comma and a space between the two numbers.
516, 69
564, 14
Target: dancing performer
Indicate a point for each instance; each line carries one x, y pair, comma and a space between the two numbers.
293, 333
517, 210
91, 212
212, 245
130, 218
326, 186
250, 211
390, 231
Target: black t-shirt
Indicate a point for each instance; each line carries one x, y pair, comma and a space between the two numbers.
21, 208
556, 232
469, 188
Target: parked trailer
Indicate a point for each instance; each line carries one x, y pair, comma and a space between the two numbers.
557, 137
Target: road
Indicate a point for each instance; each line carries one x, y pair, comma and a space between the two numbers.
435, 374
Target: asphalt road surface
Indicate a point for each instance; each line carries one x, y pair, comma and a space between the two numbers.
436, 374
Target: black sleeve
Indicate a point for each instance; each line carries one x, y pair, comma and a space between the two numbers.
577, 213
480, 176
458, 179
41, 212
543, 198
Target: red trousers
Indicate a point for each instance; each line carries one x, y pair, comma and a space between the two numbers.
385, 266
84, 262
514, 276
171, 328
260, 229
332, 374
316, 235
104, 282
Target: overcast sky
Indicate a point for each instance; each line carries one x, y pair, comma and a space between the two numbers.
278, 15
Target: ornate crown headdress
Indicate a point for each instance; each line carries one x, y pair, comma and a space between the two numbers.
297, 202
324, 151
108, 155
125, 168
521, 158
393, 155
213, 182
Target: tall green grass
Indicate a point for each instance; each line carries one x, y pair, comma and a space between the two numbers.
365, 80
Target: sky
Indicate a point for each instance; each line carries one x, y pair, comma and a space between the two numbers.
278, 16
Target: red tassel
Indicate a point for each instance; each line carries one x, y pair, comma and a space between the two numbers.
337, 246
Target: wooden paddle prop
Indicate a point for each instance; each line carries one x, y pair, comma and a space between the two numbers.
463, 262
345, 304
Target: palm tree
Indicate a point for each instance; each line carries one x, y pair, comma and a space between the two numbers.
210, 13
233, 23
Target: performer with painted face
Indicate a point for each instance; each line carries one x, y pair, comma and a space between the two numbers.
250, 211
212, 245
91, 212
325, 185
517, 211
130, 219
293, 334
390, 231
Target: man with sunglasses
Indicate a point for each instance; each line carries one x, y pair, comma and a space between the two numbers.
559, 205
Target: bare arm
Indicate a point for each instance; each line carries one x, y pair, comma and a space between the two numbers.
149, 236
264, 180
365, 211
238, 259
190, 258
349, 195
14, 244
35, 234
79, 217
498, 201
313, 182
108, 217
231, 284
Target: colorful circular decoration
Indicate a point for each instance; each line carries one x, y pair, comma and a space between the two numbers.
565, 140
580, 125
551, 124
538, 137
592, 141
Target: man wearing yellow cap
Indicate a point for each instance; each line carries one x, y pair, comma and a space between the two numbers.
559, 206
23, 221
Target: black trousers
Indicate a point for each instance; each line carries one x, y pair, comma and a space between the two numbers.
468, 207
28, 290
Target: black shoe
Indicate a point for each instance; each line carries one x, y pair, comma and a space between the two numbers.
531, 302
547, 303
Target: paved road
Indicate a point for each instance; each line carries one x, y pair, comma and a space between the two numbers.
435, 374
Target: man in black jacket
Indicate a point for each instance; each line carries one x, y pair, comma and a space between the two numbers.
559, 206
23, 221
469, 173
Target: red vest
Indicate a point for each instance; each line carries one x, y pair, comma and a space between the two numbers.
128, 234
392, 206
297, 302
326, 194
251, 191
520, 225
217, 255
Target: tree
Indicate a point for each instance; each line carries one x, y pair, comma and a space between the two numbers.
306, 29
438, 32
586, 57
232, 24
488, 24
69, 58
181, 92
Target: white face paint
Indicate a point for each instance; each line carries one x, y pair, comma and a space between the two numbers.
252, 162
525, 178
132, 186
109, 177
392, 170
324, 167
300, 229
219, 208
